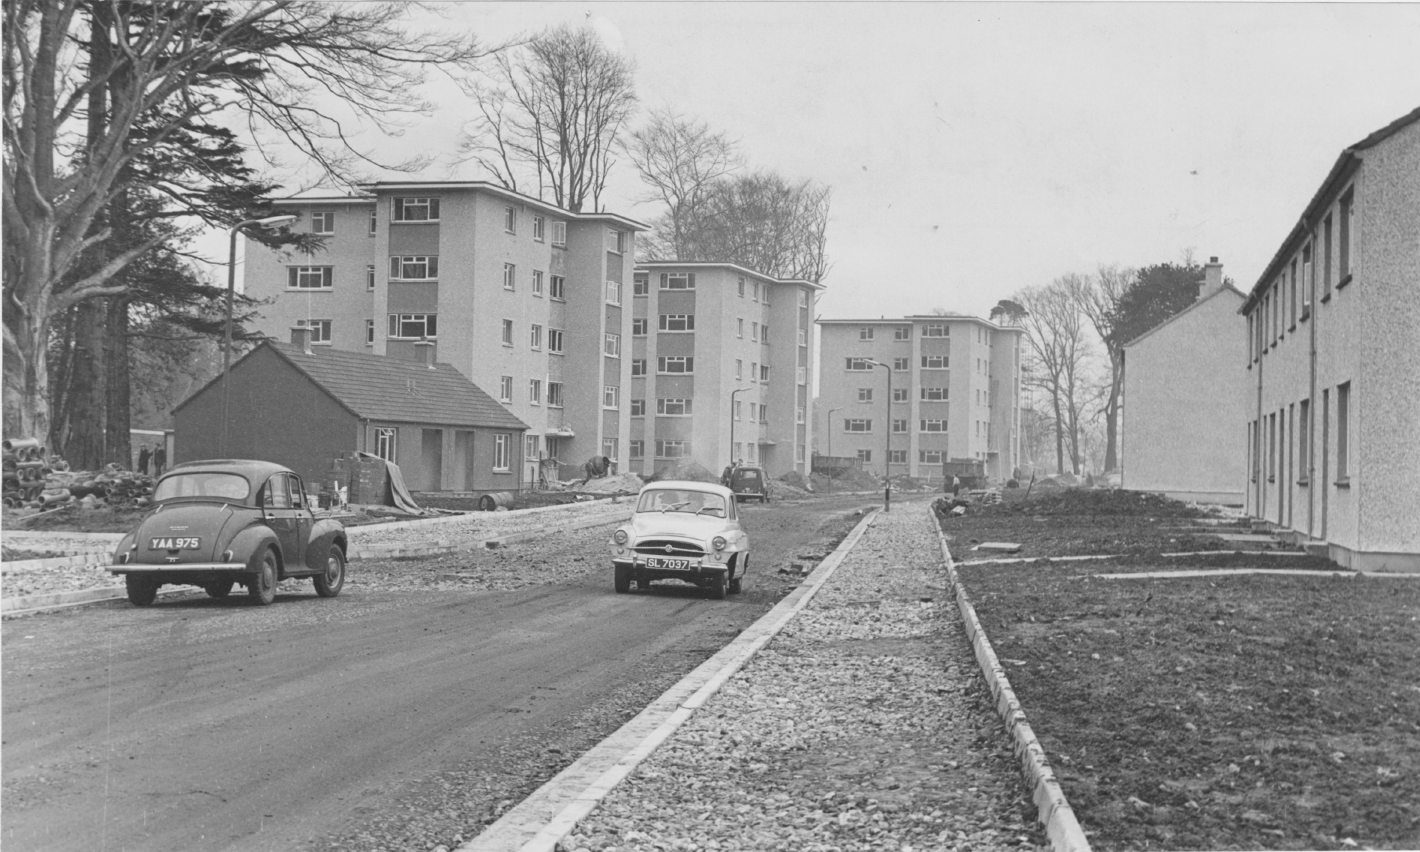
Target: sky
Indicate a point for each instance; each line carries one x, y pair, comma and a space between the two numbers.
976, 149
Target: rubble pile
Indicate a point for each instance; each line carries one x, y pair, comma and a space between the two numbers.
34, 480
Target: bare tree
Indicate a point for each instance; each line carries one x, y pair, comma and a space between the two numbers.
554, 105
1058, 352
172, 64
764, 222
1098, 299
680, 160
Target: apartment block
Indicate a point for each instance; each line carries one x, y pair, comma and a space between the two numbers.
905, 395
721, 366
527, 300
1333, 362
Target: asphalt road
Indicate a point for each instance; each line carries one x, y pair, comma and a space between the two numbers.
378, 719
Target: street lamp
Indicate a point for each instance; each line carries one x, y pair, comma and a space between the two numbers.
732, 422
887, 440
267, 223
830, 430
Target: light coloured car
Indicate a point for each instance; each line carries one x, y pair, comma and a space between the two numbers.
685, 531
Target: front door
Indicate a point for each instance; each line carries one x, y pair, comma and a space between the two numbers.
285, 513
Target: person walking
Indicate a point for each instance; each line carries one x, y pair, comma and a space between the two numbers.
160, 459
956, 485
143, 456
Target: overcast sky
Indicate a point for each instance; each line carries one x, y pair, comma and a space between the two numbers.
975, 149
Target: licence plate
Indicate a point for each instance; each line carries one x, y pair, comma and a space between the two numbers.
175, 543
663, 562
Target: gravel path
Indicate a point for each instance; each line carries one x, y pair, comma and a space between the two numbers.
864, 725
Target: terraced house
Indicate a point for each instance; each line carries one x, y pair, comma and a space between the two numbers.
525, 299
1333, 362
955, 393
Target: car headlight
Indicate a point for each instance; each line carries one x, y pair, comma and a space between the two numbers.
718, 542
620, 537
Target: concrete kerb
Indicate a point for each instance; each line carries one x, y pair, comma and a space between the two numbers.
545, 818
1052, 808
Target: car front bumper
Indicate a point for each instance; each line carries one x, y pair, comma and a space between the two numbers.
699, 571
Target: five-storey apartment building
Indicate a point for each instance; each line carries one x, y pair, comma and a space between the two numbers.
721, 367
525, 299
955, 393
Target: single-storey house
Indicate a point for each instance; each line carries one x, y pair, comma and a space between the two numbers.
308, 406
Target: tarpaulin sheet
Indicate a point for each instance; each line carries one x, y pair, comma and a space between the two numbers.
398, 495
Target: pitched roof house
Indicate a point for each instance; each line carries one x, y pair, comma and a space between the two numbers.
305, 407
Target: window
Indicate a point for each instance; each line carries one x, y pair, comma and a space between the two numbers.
739, 369
510, 276
320, 329
754, 331
899, 394
803, 375
677, 280
935, 329
501, 459
934, 362
803, 337
616, 241
510, 220
672, 407
1326, 256
899, 425
672, 449
539, 227
675, 364
557, 288
930, 425
369, 332
803, 298
738, 413
640, 284
764, 373
1308, 280
740, 327
677, 322
414, 268
374, 221
865, 394
865, 455
1343, 432
754, 412
934, 394
865, 333
638, 327
413, 326
754, 291
613, 292
609, 448
930, 456
638, 407
386, 443
323, 222
900, 364
370, 277
554, 341
507, 332
902, 332
535, 391
416, 210
1292, 295
611, 396
857, 365
611, 345
799, 414
530, 447
309, 277
636, 449
505, 388
897, 457
858, 424
537, 283
559, 234
638, 367
535, 336
1304, 448
742, 286
1343, 248
554, 394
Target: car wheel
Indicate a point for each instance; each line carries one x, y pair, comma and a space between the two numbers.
740, 567
329, 584
623, 579
262, 586
219, 588
643, 585
717, 587
142, 591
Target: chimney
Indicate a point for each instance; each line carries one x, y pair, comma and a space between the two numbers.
301, 336
1212, 278
424, 352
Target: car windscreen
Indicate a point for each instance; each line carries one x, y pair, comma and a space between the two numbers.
692, 502
216, 486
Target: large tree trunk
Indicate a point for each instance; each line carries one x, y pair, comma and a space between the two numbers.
119, 399
1111, 411
79, 414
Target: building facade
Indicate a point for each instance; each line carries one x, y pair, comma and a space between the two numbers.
721, 367
955, 393
1333, 362
1184, 399
526, 300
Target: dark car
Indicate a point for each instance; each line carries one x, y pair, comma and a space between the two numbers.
222, 522
749, 483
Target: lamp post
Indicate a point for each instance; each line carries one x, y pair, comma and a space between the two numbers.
267, 223
830, 429
887, 439
732, 422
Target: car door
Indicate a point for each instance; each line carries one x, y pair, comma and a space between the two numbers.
304, 519
281, 517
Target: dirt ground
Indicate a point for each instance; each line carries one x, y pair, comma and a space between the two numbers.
1226, 712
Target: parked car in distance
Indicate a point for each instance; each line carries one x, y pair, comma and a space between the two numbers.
221, 522
749, 483
685, 531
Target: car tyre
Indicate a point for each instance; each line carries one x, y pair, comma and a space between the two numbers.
623, 579
262, 586
717, 587
219, 588
643, 584
142, 591
329, 584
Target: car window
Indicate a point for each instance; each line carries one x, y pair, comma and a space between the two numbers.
222, 486
298, 494
276, 493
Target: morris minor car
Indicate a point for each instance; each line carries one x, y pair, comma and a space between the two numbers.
749, 483
685, 531
225, 522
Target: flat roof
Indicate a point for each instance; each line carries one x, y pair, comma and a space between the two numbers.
720, 264
475, 186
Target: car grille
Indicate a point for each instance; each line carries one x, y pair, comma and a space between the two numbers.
669, 547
